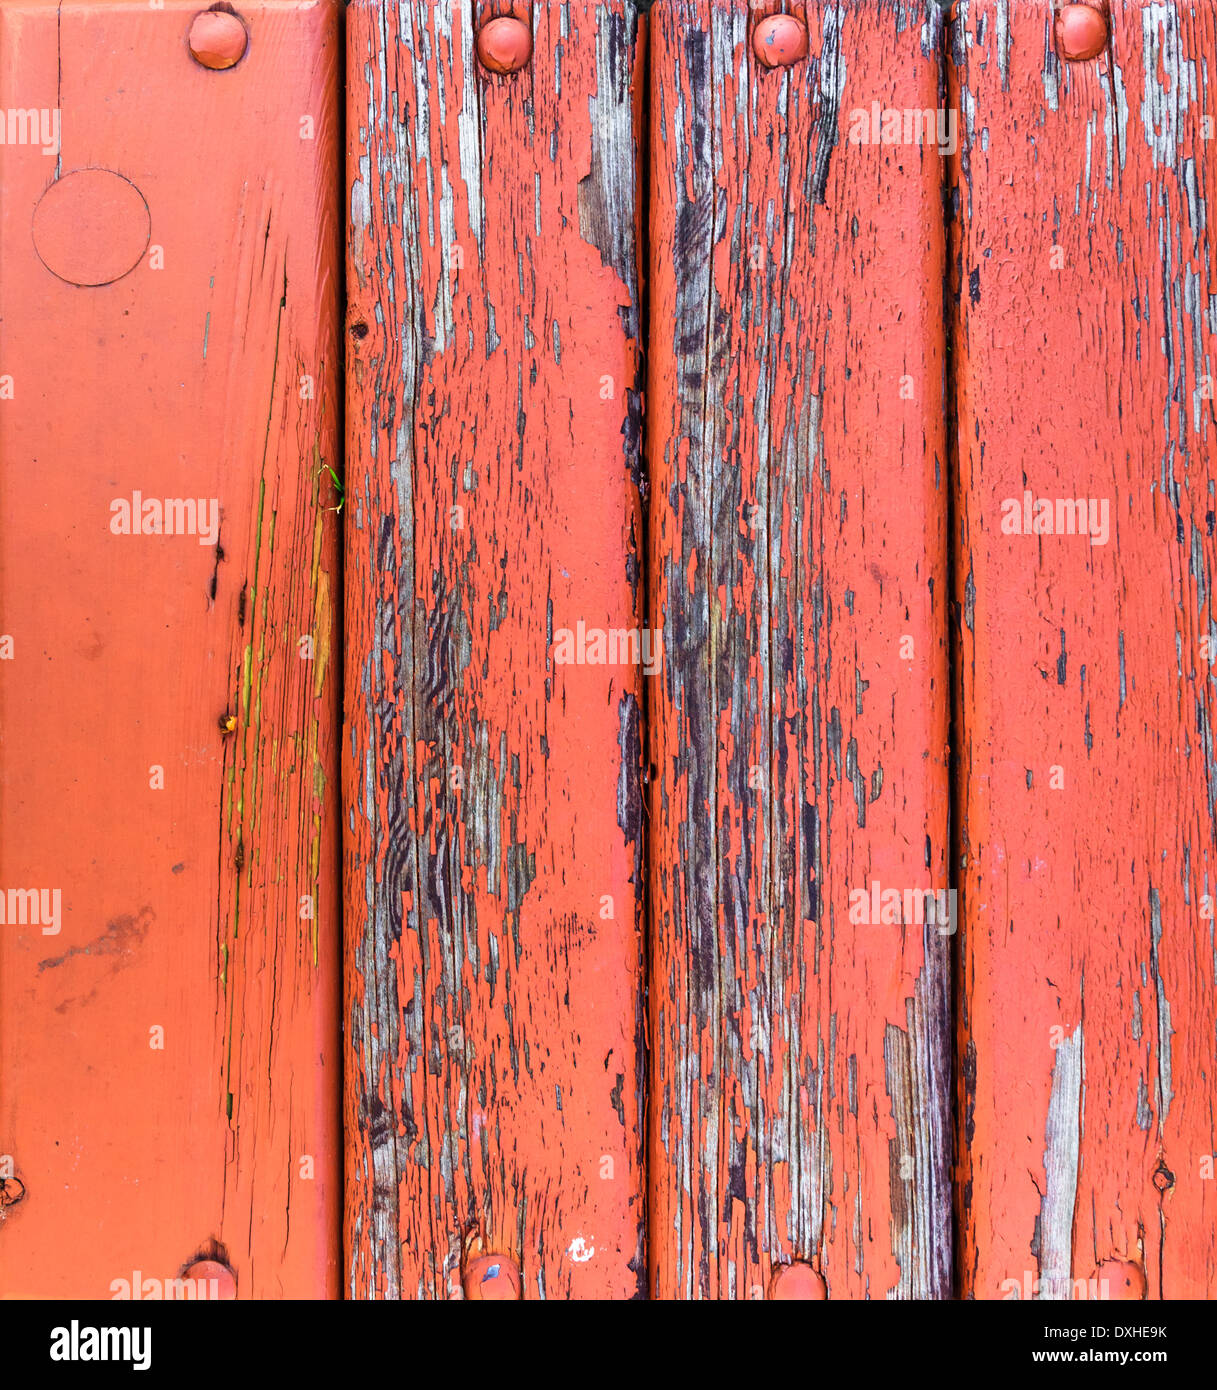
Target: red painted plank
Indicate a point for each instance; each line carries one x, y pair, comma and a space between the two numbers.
1085, 360
493, 985
799, 1106
168, 330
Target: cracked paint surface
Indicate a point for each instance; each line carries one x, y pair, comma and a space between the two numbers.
1085, 335
800, 1064
493, 852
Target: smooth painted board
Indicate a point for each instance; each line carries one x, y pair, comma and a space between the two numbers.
1084, 370
169, 1082
493, 996
800, 1058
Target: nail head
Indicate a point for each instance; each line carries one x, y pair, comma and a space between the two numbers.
204, 1271
1123, 1279
1081, 33
217, 39
504, 44
779, 40
797, 1283
492, 1278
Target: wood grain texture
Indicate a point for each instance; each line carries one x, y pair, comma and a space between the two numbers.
1086, 276
492, 863
182, 851
800, 1072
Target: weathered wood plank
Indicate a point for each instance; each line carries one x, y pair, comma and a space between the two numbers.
492, 865
1085, 336
800, 1073
169, 1041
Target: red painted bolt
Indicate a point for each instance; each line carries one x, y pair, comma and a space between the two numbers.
779, 41
492, 1277
1081, 32
217, 39
1120, 1280
504, 44
204, 1272
797, 1283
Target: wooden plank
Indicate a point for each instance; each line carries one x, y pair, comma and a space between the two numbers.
800, 1074
492, 864
168, 329
1085, 363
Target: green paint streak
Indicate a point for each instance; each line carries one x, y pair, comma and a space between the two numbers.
260, 670
247, 678
245, 683
322, 618
211, 284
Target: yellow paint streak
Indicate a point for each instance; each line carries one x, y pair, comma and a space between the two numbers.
321, 642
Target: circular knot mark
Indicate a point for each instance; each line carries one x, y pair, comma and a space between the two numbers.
91, 227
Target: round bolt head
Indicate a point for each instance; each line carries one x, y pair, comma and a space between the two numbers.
1120, 1280
203, 1272
1081, 33
492, 1277
504, 44
12, 1190
797, 1283
217, 39
779, 41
